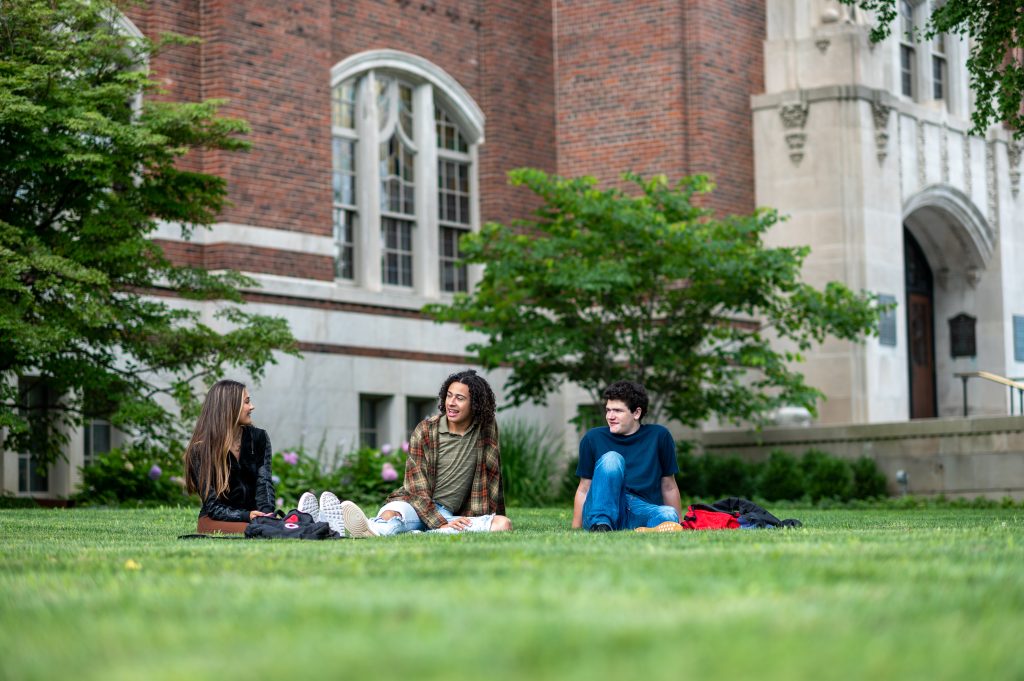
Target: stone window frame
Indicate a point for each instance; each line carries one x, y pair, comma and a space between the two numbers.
432, 89
926, 57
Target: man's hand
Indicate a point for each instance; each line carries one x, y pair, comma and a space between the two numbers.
578, 501
457, 524
256, 514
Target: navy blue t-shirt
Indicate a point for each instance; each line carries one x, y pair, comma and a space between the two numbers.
649, 453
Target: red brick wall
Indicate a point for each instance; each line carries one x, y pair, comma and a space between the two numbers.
661, 86
579, 87
245, 258
723, 43
620, 88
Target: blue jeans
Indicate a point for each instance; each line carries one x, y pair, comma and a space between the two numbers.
609, 503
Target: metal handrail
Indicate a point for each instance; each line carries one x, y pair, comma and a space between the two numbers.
1012, 384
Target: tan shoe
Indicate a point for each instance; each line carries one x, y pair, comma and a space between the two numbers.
667, 526
356, 525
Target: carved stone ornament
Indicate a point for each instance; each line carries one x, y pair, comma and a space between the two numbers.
944, 153
968, 176
794, 117
973, 276
822, 44
1013, 150
880, 114
993, 187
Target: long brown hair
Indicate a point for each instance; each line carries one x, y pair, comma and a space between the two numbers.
206, 459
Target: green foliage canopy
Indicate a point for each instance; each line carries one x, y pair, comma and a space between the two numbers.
602, 286
996, 32
86, 173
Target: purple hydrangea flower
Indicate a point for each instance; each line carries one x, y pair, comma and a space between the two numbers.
405, 446
388, 473
276, 479
385, 449
155, 472
291, 458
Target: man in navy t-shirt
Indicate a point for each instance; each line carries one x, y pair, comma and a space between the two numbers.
626, 469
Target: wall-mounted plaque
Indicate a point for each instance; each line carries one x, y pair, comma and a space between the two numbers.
962, 335
887, 320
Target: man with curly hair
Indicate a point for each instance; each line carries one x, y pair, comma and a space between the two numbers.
453, 473
627, 469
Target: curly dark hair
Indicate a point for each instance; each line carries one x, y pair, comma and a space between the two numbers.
481, 397
633, 394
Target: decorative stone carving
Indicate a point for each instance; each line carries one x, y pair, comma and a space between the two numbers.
822, 44
1013, 150
991, 179
968, 178
944, 153
794, 117
973, 276
921, 176
880, 114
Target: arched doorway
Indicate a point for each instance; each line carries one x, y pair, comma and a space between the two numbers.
920, 329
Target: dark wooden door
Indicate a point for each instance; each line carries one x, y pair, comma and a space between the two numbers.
920, 330
922, 359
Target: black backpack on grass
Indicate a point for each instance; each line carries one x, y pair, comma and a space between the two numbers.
294, 525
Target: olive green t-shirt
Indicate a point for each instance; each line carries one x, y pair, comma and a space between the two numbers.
456, 463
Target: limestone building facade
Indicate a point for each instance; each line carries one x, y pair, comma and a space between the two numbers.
383, 129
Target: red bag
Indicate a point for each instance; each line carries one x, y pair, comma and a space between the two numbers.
701, 517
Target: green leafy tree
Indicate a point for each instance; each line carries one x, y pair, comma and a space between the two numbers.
996, 62
85, 174
602, 286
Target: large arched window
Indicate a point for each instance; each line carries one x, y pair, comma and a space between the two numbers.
405, 138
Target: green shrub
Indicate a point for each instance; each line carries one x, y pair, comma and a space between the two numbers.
868, 481
565, 489
690, 477
827, 477
131, 477
529, 456
729, 476
782, 478
365, 476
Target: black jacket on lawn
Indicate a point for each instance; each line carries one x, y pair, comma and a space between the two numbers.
249, 484
750, 514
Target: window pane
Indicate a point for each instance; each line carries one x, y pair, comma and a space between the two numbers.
383, 99
368, 436
938, 78
417, 409
906, 21
396, 251
344, 233
29, 478
448, 134
453, 191
405, 111
397, 178
343, 105
907, 70
453, 274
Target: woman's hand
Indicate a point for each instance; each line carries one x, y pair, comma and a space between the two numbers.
459, 524
256, 514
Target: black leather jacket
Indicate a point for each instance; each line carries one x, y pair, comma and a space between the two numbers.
249, 483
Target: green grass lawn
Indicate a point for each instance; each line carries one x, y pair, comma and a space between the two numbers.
929, 594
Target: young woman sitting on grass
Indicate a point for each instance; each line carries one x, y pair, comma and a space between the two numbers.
227, 462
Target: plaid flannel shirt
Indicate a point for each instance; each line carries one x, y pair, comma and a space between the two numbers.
486, 494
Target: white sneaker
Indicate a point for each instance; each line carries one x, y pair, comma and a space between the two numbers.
307, 504
355, 521
330, 512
